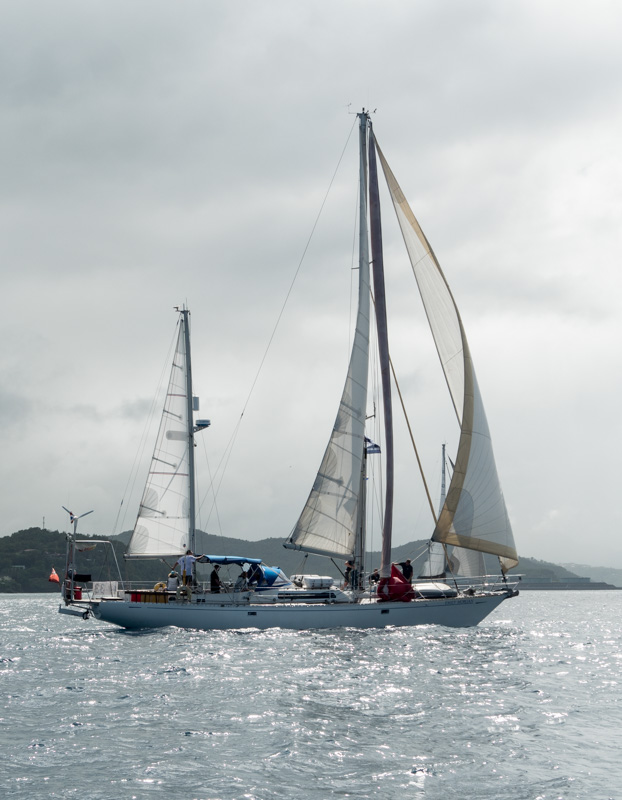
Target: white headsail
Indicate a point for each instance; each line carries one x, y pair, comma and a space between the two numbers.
163, 524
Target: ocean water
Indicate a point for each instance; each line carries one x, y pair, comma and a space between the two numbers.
526, 706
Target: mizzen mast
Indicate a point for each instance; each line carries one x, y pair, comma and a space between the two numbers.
185, 313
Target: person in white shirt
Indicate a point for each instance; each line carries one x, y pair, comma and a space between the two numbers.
186, 567
241, 585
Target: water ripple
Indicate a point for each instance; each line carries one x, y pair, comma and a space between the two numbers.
524, 706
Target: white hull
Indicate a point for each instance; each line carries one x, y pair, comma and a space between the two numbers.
454, 612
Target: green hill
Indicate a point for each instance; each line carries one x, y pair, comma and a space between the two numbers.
27, 558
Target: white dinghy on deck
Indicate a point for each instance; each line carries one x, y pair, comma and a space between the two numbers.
473, 517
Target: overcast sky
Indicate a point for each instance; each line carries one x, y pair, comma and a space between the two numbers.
156, 153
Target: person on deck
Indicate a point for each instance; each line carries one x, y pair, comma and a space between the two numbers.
172, 582
351, 577
186, 567
255, 575
214, 580
241, 585
374, 577
407, 569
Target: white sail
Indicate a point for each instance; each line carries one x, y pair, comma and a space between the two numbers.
163, 524
466, 563
442, 559
474, 515
434, 565
331, 517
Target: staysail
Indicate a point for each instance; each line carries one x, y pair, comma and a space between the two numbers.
474, 515
442, 559
163, 526
331, 517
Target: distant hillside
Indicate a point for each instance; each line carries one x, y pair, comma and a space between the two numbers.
542, 571
26, 558
544, 575
606, 574
293, 561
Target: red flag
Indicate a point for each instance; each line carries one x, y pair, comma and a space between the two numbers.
54, 577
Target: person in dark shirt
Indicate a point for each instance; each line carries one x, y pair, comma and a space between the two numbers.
214, 580
407, 570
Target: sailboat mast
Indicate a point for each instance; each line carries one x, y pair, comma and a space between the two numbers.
190, 432
383, 350
360, 536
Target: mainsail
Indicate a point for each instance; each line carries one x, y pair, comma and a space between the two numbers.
330, 519
474, 515
163, 526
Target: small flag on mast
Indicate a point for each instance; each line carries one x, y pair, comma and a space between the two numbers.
371, 447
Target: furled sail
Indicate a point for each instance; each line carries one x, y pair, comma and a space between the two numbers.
474, 515
331, 517
163, 524
375, 227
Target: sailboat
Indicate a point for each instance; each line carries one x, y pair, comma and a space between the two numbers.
472, 519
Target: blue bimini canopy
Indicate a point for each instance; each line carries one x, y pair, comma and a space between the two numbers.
228, 560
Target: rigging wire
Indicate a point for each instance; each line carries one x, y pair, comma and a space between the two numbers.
410, 432
222, 466
144, 438
298, 268
375, 511
214, 507
353, 267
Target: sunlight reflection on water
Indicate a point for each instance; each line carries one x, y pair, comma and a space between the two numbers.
525, 705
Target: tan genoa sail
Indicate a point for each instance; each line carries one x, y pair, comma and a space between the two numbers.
474, 515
